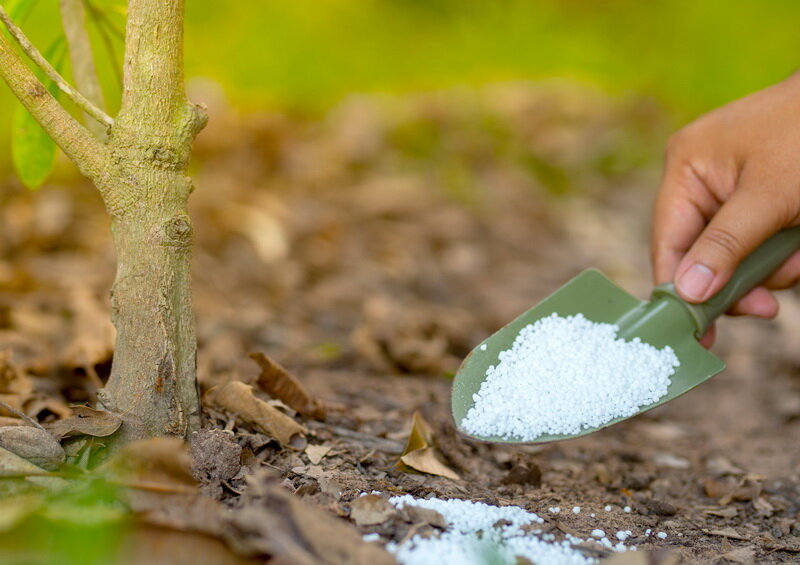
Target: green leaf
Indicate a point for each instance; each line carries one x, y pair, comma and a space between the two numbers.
18, 10
33, 152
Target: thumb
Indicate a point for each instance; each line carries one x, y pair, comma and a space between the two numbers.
745, 221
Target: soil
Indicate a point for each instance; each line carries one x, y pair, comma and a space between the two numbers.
367, 251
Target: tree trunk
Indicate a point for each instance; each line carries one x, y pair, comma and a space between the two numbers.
152, 380
140, 171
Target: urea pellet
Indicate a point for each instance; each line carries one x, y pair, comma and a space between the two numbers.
566, 374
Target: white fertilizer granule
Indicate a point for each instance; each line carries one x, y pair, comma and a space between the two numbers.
563, 375
479, 533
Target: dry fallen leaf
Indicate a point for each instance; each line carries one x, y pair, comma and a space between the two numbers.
743, 555
156, 462
15, 387
86, 421
718, 466
316, 453
290, 530
425, 516
33, 444
727, 512
12, 464
726, 532
149, 545
284, 386
643, 558
371, 510
238, 399
91, 336
420, 453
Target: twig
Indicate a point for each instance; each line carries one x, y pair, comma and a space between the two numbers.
73, 18
22, 415
30, 50
90, 155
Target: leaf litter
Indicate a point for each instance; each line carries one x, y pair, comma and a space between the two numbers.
370, 273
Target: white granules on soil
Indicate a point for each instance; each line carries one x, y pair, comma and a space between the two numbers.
478, 534
566, 374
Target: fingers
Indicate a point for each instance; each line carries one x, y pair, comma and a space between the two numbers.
786, 276
680, 214
708, 339
759, 302
749, 217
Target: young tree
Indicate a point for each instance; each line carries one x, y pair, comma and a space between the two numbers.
138, 161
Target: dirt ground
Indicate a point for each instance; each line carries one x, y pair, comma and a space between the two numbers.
367, 252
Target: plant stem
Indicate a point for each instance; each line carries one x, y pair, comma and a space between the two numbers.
73, 18
152, 379
38, 59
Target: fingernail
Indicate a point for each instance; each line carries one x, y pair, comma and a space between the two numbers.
695, 282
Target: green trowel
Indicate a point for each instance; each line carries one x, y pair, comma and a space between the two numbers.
665, 319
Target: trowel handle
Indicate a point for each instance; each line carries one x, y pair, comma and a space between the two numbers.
751, 272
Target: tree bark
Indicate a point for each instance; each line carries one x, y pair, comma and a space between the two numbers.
152, 380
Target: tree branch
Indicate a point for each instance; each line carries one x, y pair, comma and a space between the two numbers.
89, 154
37, 58
73, 18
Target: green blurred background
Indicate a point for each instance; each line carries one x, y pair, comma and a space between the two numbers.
306, 55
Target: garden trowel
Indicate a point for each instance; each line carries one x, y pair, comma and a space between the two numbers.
664, 320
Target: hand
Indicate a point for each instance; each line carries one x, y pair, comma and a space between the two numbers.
731, 180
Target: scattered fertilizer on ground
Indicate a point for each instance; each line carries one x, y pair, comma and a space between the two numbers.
576, 510
563, 375
627, 509
479, 533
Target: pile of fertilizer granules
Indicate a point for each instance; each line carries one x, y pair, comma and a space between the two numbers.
566, 374
478, 534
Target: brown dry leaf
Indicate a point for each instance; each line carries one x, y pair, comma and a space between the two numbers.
420, 453
92, 335
12, 464
86, 421
317, 452
371, 510
15, 387
524, 474
149, 545
238, 399
284, 386
643, 558
9, 421
726, 532
289, 530
156, 462
727, 512
719, 466
743, 555
763, 506
427, 516
33, 444
726, 491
